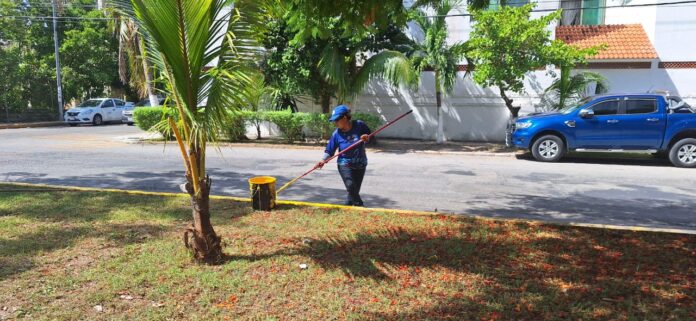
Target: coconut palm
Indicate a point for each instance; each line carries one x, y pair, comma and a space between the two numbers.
133, 65
432, 53
568, 89
203, 49
340, 69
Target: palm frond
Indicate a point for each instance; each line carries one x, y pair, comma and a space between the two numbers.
569, 89
389, 65
333, 67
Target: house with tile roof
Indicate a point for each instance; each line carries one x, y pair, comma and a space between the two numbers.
650, 46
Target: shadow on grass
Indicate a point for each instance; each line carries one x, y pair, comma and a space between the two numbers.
60, 219
555, 272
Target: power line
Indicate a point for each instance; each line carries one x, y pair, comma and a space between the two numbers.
673, 3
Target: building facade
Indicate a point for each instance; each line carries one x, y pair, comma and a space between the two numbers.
650, 47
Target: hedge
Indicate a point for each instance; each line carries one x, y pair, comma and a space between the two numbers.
147, 117
291, 125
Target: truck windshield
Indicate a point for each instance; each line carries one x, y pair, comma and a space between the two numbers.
575, 107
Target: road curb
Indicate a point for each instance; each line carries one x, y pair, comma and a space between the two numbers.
371, 149
359, 209
32, 125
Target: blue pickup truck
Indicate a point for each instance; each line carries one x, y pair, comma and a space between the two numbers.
629, 123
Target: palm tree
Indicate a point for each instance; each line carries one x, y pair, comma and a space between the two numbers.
133, 66
568, 89
340, 69
203, 50
432, 53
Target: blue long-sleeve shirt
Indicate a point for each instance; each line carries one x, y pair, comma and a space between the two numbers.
340, 140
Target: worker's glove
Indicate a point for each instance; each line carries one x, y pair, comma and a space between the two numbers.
365, 138
319, 165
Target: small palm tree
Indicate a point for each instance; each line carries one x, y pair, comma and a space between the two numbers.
432, 53
340, 68
203, 49
568, 89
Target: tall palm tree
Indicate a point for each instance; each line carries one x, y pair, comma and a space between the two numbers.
432, 53
569, 89
203, 50
133, 65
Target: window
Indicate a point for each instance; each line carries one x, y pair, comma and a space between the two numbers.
641, 106
582, 12
607, 107
119, 102
495, 4
108, 103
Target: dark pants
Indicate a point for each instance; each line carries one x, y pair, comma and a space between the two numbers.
352, 178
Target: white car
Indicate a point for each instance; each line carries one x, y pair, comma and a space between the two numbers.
95, 111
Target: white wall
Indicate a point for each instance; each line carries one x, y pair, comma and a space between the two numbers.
632, 15
473, 113
675, 29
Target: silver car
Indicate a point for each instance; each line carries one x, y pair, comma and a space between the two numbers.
128, 111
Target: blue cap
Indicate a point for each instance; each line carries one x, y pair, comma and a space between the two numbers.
338, 112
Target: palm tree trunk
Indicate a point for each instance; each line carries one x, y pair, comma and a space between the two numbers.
325, 103
440, 138
563, 92
201, 237
148, 76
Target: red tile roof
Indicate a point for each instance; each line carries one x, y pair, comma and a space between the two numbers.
623, 41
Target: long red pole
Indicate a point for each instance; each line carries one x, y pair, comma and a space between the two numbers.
356, 144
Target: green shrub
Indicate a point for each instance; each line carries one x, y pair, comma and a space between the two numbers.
256, 118
318, 126
372, 121
290, 124
235, 127
147, 117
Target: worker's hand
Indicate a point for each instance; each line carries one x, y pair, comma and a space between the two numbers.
319, 165
365, 138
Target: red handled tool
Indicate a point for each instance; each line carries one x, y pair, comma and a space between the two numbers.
356, 144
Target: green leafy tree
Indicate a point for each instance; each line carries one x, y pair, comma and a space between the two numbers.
205, 78
359, 17
332, 63
10, 76
506, 45
33, 38
88, 56
432, 53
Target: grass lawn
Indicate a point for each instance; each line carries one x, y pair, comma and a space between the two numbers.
64, 255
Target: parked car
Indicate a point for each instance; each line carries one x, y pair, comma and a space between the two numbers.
633, 123
128, 111
95, 111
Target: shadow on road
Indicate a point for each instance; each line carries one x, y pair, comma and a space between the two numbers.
607, 159
225, 182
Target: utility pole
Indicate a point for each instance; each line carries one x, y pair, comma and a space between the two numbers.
58, 77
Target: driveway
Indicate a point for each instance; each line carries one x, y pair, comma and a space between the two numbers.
642, 192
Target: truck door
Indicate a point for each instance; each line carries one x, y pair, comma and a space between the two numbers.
643, 123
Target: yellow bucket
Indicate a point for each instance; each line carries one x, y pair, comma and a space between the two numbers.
263, 192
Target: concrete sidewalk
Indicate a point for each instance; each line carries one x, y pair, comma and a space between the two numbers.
32, 125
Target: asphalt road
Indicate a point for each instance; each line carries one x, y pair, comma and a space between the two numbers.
642, 192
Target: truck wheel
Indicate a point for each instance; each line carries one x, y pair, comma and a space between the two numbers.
549, 148
683, 153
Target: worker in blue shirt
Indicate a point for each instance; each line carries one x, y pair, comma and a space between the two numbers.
352, 164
